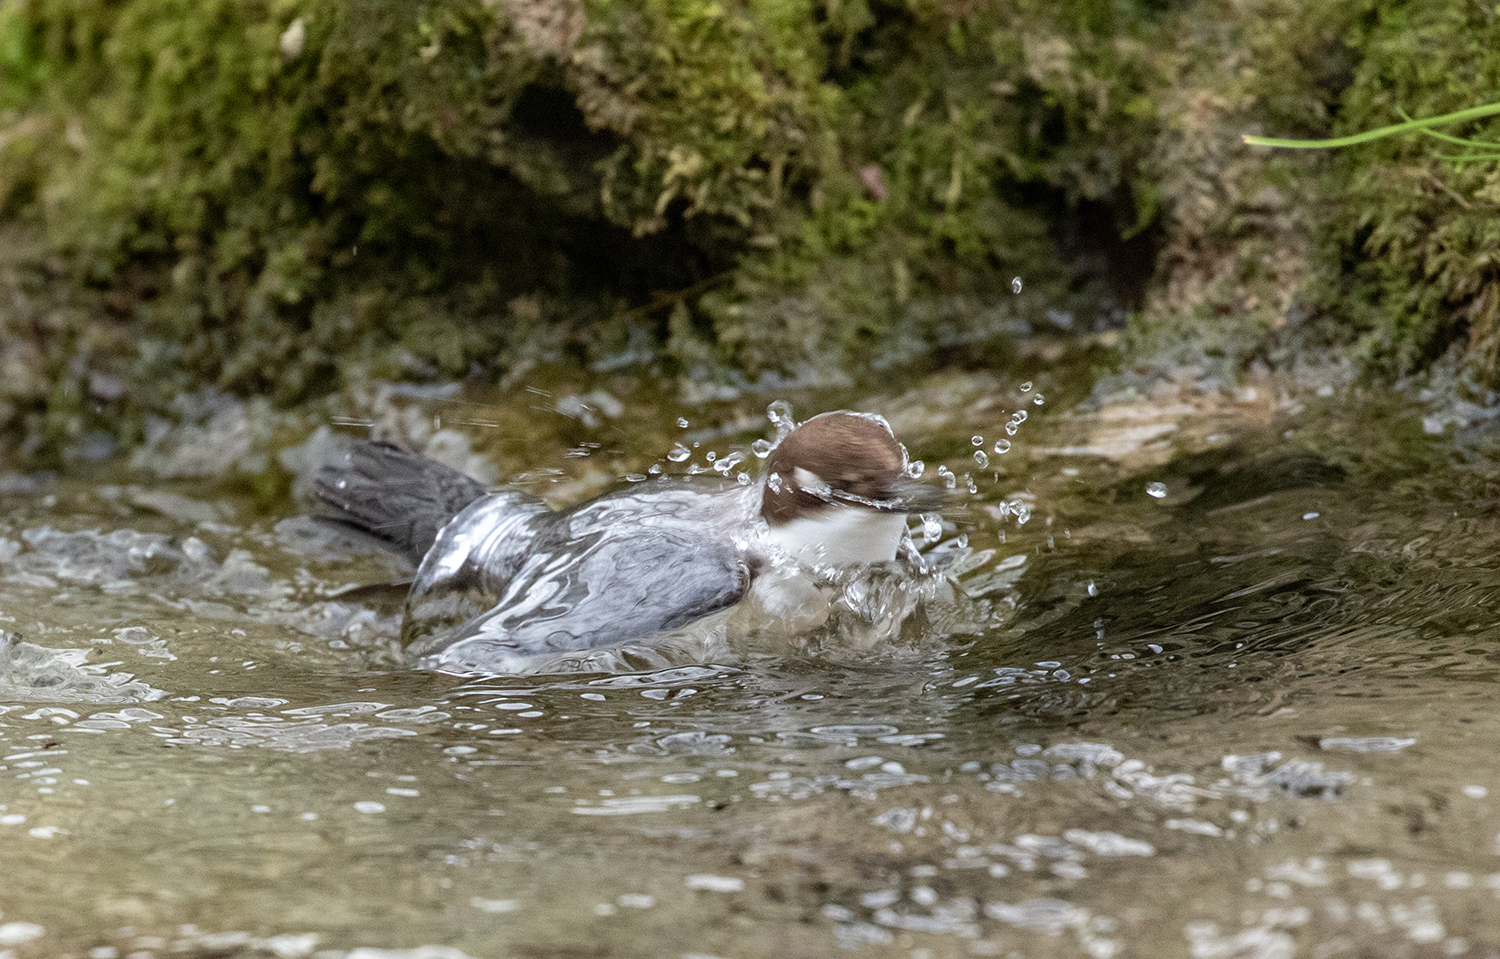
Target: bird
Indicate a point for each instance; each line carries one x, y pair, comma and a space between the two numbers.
505, 584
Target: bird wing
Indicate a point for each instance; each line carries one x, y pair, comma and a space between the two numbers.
607, 588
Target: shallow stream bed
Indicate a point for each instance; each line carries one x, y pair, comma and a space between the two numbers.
1230, 691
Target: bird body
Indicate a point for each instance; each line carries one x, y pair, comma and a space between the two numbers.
504, 583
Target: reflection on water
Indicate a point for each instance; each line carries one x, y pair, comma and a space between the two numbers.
1250, 716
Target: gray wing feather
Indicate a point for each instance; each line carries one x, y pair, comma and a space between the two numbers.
621, 588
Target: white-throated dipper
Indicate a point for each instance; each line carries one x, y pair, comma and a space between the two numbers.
503, 581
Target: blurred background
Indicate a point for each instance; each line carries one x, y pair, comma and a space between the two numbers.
292, 200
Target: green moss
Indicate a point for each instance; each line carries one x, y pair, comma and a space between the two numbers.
1421, 234
1383, 250
263, 192
278, 198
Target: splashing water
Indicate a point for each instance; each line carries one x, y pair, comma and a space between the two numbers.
780, 415
729, 461
932, 528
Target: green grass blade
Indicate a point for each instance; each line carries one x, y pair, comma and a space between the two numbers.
1472, 113
1449, 138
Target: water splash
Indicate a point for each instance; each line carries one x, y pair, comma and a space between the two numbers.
729, 461
780, 415
932, 528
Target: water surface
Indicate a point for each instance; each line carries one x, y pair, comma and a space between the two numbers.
1228, 691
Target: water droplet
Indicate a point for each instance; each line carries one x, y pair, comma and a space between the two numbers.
780, 415
932, 528
1038, 400
1002, 446
963, 540
1015, 285
1156, 490
1026, 387
679, 453
946, 475
655, 469
977, 440
915, 469
981, 459
1093, 590
761, 448
730, 461
682, 422
969, 483
742, 478
711, 456
1022, 512
1011, 427
1019, 416
635, 477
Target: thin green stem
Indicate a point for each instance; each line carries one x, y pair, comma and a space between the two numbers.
1449, 138
1460, 141
1469, 157
1472, 113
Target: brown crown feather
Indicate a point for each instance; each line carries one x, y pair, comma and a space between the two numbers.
850, 453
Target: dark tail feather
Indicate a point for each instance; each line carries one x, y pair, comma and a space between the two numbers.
401, 498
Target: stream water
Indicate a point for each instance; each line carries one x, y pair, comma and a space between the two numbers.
1229, 692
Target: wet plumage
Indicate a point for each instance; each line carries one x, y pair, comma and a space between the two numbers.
503, 580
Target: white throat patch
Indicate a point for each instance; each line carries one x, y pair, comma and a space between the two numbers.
842, 536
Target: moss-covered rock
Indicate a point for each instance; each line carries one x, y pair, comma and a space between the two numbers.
262, 194
1385, 250
1418, 235
284, 197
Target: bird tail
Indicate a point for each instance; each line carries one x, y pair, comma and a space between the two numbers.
400, 498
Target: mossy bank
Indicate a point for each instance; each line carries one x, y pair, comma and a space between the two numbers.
285, 200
